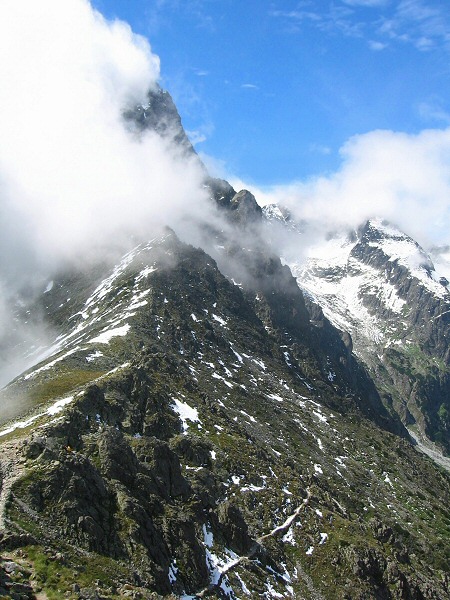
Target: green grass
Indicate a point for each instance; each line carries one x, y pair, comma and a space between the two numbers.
55, 574
26, 401
61, 384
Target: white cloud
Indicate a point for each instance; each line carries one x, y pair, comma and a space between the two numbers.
71, 173
400, 177
73, 176
367, 3
320, 149
296, 15
377, 46
196, 137
421, 24
433, 110
216, 167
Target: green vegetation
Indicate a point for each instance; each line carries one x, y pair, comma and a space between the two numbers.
56, 573
58, 385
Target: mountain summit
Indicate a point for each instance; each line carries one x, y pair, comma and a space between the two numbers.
202, 427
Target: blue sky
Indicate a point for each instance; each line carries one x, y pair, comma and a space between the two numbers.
275, 88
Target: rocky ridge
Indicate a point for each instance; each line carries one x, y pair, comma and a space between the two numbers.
205, 457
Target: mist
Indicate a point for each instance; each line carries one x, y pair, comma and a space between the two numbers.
76, 180
400, 177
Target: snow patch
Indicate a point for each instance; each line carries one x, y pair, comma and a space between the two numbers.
275, 397
323, 538
59, 405
55, 408
208, 537
106, 336
219, 319
94, 355
289, 537
173, 571
185, 412
227, 383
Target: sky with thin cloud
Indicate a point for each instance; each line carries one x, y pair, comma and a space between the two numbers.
268, 84
338, 108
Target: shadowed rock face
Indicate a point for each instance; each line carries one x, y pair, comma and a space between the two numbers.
160, 115
246, 211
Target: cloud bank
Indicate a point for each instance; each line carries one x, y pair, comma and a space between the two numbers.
71, 174
74, 178
399, 177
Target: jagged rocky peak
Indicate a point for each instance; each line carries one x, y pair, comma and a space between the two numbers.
277, 212
381, 287
273, 211
399, 247
245, 208
221, 191
161, 116
277, 215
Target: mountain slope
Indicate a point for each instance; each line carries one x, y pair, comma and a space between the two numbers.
381, 287
207, 456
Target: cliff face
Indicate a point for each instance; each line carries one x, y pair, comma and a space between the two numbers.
159, 115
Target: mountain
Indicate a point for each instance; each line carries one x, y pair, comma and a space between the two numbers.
200, 428
382, 288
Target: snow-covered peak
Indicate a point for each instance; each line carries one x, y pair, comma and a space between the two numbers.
403, 250
395, 244
274, 212
366, 281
